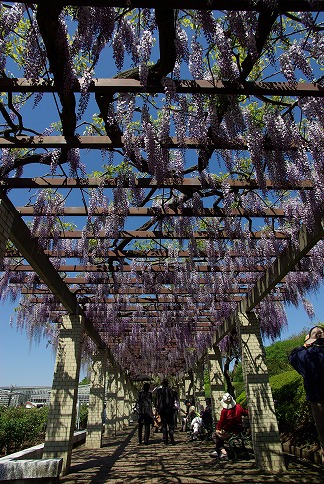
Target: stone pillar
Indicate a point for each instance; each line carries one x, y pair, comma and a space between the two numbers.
264, 426
216, 377
120, 401
126, 403
96, 400
111, 399
188, 383
182, 391
6, 220
130, 400
199, 385
62, 407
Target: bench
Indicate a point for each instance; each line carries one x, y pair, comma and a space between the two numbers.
240, 443
30, 470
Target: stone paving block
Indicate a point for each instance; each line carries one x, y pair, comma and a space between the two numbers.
123, 461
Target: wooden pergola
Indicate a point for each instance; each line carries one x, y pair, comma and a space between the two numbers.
147, 253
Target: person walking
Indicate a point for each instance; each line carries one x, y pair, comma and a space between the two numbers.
165, 404
308, 361
145, 413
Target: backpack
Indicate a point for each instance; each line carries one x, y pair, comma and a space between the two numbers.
165, 399
144, 403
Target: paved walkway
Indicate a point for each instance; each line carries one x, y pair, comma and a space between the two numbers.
123, 461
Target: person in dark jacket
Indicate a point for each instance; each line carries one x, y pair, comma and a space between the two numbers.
165, 404
207, 414
145, 413
230, 421
308, 360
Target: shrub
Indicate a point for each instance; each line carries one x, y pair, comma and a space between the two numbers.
21, 427
292, 409
83, 416
277, 354
293, 413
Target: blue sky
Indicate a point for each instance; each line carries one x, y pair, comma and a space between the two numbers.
24, 365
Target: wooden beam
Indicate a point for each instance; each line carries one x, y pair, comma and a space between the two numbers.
283, 265
100, 142
173, 291
151, 300
158, 212
112, 85
275, 273
185, 183
243, 5
158, 234
126, 269
21, 237
150, 255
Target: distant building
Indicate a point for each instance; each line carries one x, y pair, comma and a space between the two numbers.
37, 396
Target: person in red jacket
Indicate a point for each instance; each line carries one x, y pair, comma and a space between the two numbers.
230, 422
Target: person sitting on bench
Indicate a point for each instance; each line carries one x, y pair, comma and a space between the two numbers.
230, 422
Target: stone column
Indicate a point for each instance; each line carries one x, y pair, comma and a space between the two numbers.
129, 401
264, 427
199, 385
6, 220
96, 400
111, 399
188, 383
62, 407
120, 401
216, 377
177, 388
182, 391
126, 403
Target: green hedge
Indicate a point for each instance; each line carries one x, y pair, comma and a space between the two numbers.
293, 412
83, 416
21, 427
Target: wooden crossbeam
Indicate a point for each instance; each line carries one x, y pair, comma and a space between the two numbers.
157, 307
109, 85
21, 238
225, 298
152, 255
162, 235
243, 5
143, 300
126, 269
138, 290
281, 266
104, 142
158, 212
81, 281
181, 184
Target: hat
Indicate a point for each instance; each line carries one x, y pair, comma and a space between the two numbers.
315, 333
228, 401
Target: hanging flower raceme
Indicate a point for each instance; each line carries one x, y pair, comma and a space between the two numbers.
295, 58
196, 67
272, 317
255, 143
94, 30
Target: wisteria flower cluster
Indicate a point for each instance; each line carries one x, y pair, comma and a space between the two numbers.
221, 180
